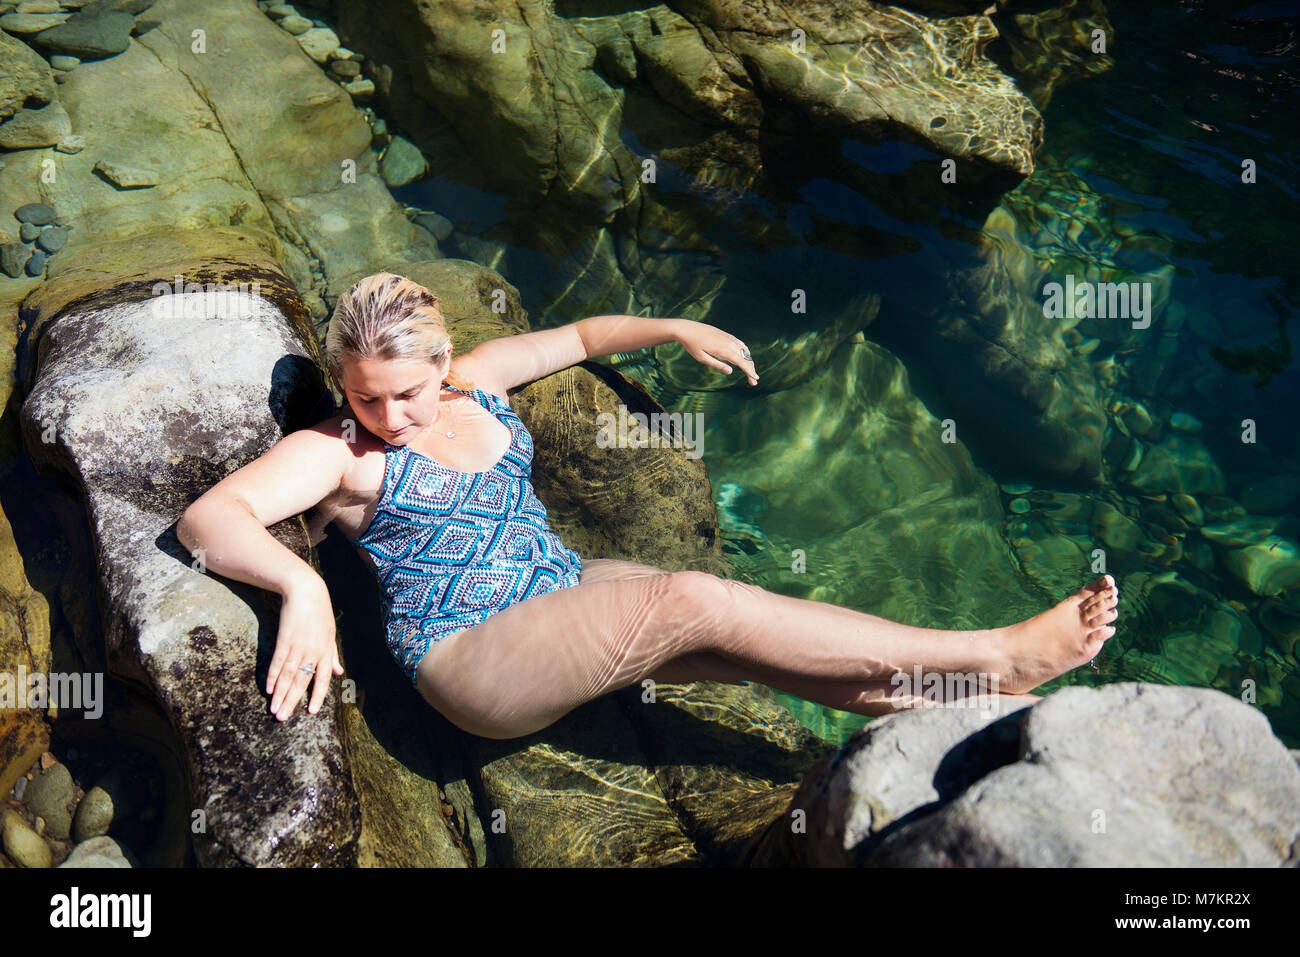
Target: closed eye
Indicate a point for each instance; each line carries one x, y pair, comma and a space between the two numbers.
408, 395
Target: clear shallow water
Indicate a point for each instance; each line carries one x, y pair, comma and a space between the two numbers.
840, 457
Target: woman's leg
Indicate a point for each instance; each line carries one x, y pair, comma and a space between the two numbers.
860, 697
527, 666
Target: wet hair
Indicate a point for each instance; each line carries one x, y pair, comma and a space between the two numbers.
386, 316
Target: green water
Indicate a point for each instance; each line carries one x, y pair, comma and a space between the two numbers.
834, 480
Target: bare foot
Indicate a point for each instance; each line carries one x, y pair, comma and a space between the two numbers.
1061, 638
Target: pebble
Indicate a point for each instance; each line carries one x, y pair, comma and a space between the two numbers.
361, 89
94, 815
38, 6
295, 24
28, 232
1185, 422
52, 795
1189, 508
37, 213
72, 143
1138, 419
24, 846
64, 61
53, 238
36, 264
345, 68
1019, 505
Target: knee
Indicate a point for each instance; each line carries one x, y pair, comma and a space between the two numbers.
699, 592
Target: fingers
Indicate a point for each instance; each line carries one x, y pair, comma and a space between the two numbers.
291, 683
746, 366
297, 681
324, 670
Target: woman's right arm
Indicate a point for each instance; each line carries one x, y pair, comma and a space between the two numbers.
227, 528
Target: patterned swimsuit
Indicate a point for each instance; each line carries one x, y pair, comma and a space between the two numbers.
454, 548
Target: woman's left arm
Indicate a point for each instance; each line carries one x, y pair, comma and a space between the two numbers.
605, 335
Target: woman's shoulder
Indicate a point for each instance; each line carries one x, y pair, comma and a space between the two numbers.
482, 377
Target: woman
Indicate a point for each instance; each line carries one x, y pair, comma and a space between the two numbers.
500, 626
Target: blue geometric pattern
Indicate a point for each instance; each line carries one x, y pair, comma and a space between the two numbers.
454, 548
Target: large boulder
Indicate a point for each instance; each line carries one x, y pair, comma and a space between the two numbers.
1125, 775
144, 401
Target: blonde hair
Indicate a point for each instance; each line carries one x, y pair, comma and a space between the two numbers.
386, 316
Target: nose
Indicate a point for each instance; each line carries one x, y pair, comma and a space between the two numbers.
388, 418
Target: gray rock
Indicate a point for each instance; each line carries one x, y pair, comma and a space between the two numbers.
319, 43
23, 845
436, 223
41, 126
126, 791
361, 89
92, 34
28, 232
72, 143
28, 24
62, 61
25, 79
94, 815
13, 259
295, 24
347, 69
403, 163
100, 851
36, 262
150, 400
54, 238
900, 766
1127, 775
52, 795
126, 177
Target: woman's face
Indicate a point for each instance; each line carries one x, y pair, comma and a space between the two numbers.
394, 398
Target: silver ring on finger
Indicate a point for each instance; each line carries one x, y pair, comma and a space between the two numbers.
745, 352
308, 669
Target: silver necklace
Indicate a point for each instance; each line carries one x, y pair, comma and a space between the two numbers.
451, 433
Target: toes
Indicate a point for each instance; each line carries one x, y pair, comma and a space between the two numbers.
1102, 616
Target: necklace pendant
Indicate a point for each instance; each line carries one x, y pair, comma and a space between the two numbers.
451, 435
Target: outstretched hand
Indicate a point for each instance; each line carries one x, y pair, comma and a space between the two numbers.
715, 347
